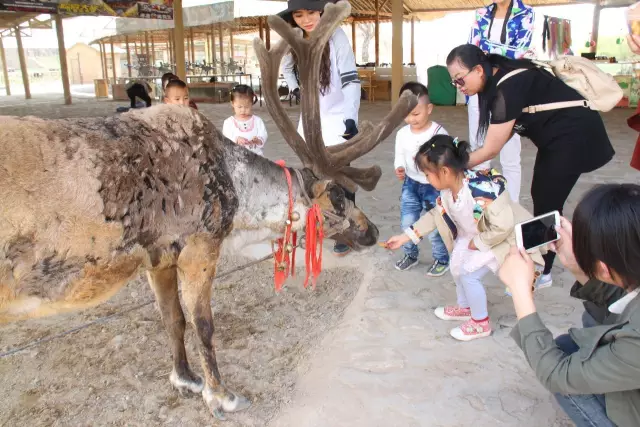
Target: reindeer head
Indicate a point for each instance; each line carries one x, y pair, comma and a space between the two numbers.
326, 162
344, 221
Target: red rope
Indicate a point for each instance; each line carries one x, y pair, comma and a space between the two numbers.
285, 253
315, 234
282, 260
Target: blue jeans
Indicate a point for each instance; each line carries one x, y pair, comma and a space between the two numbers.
585, 410
417, 197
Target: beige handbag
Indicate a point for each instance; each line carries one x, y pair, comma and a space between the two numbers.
600, 90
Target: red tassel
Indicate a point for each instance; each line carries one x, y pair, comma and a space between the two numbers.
314, 236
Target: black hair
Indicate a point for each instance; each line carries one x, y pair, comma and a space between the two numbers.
443, 150
167, 77
470, 56
606, 227
175, 83
243, 91
418, 89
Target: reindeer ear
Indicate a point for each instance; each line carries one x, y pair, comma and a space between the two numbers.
319, 187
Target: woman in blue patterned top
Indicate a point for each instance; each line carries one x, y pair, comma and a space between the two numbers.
505, 28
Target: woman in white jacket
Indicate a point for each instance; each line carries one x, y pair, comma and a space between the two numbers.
339, 83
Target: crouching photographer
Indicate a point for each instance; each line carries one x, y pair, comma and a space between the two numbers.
594, 372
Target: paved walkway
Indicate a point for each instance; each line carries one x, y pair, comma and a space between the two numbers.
390, 362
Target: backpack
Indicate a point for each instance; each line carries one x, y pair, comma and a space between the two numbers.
600, 90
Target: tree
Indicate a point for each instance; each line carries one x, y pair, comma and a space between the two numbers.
367, 36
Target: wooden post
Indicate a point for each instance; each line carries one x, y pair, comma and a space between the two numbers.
153, 52
192, 45
261, 28
62, 54
106, 65
231, 45
178, 40
594, 27
213, 45
113, 63
23, 65
5, 69
413, 40
267, 29
353, 37
170, 38
146, 45
397, 72
221, 33
101, 61
377, 33
126, 39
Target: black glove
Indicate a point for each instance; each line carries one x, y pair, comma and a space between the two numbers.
351, 129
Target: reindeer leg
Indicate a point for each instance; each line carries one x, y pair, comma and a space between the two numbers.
164, 283
197, 266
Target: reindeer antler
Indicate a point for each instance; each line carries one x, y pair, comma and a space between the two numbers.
323, 161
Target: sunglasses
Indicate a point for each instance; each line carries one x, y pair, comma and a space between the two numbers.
460, 80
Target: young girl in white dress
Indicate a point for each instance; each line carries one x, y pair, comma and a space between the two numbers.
244, 128
339, 83
475, 217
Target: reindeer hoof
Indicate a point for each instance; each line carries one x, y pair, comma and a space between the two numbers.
223, 401
186, 384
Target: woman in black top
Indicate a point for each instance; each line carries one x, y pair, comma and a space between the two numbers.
570, 141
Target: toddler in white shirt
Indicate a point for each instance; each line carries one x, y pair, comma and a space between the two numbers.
418, 195
243, 127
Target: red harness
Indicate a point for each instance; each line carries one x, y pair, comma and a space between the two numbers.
285, 252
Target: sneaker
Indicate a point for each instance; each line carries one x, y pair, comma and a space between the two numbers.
540, 281
438, 269
471, 330
452, 312
406, 263
340, 249
543, 281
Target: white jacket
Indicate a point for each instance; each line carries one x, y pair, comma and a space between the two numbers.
342, 99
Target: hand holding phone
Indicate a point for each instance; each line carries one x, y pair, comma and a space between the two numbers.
538, 231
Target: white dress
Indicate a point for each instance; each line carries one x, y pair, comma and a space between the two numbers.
342, 99
249, 129
463, 259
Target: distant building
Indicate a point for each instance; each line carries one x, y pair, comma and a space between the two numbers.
85, 65
40, 62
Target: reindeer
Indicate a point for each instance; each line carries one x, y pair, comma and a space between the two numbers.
89, 203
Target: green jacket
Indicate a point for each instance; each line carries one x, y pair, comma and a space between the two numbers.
608, 361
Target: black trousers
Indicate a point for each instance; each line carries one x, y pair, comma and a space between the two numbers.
138, 90
550, 189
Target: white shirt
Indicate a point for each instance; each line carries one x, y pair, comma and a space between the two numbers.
619, 306
496, 30
254, 127
463, 259
407, 146
342, 97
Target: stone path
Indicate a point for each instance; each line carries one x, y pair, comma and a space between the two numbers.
390, 362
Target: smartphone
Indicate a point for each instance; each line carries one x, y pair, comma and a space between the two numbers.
538, 231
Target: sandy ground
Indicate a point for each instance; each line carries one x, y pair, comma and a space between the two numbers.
364, 349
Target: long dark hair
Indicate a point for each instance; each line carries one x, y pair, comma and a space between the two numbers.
606, 227
470, 56
443, 150
325, 65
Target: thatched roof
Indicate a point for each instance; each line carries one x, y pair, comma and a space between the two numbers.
13, 19
362, 11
